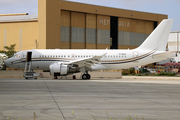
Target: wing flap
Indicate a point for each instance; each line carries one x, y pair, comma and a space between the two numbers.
87, 62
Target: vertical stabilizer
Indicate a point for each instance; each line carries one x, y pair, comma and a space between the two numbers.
159, 37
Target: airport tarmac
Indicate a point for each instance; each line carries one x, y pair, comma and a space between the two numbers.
117, 98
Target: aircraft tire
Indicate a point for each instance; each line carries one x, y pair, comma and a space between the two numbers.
88, 76
84, 76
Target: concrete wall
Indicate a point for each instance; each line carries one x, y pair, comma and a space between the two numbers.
94, 75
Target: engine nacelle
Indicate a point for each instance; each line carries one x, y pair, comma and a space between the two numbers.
58, 69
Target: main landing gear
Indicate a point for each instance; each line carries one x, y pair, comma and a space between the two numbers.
86, 76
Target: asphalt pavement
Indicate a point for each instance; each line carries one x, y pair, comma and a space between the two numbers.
89, 99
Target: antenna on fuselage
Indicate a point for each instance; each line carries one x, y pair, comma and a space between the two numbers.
107, 48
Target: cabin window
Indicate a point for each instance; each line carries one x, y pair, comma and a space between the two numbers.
61, 55
64, 56
68, 56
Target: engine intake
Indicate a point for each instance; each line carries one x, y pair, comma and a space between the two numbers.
58, 69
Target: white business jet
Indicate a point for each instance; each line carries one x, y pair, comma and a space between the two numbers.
61, 62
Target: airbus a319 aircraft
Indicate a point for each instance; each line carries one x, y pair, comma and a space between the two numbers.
61, 62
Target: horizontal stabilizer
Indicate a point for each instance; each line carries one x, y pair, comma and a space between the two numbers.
165, 55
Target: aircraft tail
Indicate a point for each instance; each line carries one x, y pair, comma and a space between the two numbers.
159, 37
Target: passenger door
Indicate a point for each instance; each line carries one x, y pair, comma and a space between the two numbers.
27, 56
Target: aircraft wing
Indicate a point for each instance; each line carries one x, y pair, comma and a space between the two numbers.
164, 55
86, 62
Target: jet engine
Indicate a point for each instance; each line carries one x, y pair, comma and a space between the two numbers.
59, 69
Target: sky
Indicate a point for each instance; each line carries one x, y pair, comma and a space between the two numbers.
167, 7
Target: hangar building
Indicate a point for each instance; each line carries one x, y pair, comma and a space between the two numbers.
69, 25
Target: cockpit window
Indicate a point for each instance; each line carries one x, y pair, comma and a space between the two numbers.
17, 56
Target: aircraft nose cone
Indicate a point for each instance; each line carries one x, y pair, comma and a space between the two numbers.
7, 63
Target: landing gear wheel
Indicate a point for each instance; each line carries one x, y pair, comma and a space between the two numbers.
88, 76
84, 76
